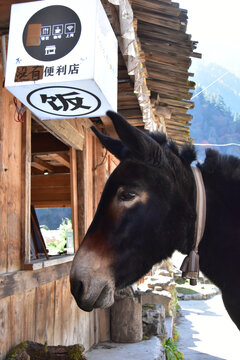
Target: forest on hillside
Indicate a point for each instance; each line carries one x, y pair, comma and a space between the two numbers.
51, 218
214, 123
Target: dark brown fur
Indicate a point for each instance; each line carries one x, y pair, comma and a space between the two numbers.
147, 211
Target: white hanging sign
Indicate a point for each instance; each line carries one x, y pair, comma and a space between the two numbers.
62, 60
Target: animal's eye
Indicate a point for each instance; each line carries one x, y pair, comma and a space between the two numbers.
126, 195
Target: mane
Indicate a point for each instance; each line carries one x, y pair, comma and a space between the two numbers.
226, 166
187, 154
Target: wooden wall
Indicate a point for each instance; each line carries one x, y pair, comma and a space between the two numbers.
49, 313
37, 305
43, 194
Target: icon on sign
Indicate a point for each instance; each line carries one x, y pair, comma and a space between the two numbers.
70, 28
56, 24
46, 30
57, 29
50, 50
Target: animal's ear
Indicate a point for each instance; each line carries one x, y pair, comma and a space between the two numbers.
139, 143
113, 145
188, 154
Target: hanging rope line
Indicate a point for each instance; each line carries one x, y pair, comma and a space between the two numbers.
212, 83
229, 144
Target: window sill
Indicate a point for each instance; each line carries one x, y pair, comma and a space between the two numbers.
43, 263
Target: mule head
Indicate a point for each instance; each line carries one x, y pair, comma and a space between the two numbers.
141, 217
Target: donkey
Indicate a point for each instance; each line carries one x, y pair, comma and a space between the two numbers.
148, 210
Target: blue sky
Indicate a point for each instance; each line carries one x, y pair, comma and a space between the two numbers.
216, 25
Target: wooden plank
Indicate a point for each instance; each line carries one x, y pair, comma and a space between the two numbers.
51, 191
158, 19
62, 158
3, 176
81, 184
66, 312
44, 198
40, 317
66, 130
104, 324
5, 328
159, 6
41, 263
43, 143
48, 193
108, 126
41, 164
45, 304
58, 313
16, 317
14, 133
29, 319
74, 197
52, 204
26, 188
51, 180
88, 179
20, 281
10, 186
99, 170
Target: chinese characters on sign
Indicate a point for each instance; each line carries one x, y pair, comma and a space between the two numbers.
61, 70
28, 73
34, 73
63, 101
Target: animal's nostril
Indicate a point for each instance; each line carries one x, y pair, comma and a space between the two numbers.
77, 289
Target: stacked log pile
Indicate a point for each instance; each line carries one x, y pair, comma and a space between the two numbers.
154, 61
168, 49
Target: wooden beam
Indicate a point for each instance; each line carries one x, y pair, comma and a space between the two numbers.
22, 281
46, 143
69, 131
62, 159
26, 187
52, 180
74, 197
41, 165
108, 126
43, 204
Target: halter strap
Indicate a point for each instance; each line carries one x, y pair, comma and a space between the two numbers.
190, 265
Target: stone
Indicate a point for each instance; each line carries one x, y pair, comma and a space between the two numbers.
159, 281
165, 282
153, 319
161, 297
158, 288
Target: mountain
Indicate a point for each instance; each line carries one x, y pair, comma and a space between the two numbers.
228, 85
214, 123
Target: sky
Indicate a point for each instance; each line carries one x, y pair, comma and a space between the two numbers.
215, 24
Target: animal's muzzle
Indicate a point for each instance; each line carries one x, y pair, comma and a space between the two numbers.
92, 281
92, 293
77, 290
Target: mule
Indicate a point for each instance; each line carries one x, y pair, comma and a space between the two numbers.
148, 210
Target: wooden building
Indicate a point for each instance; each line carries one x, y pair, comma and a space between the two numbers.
153, 92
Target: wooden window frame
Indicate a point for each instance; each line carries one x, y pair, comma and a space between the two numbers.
27, 263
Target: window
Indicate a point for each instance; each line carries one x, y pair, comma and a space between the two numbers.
51, 229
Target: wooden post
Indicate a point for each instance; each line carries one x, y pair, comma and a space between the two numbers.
126, 318
26, 188
74, 197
